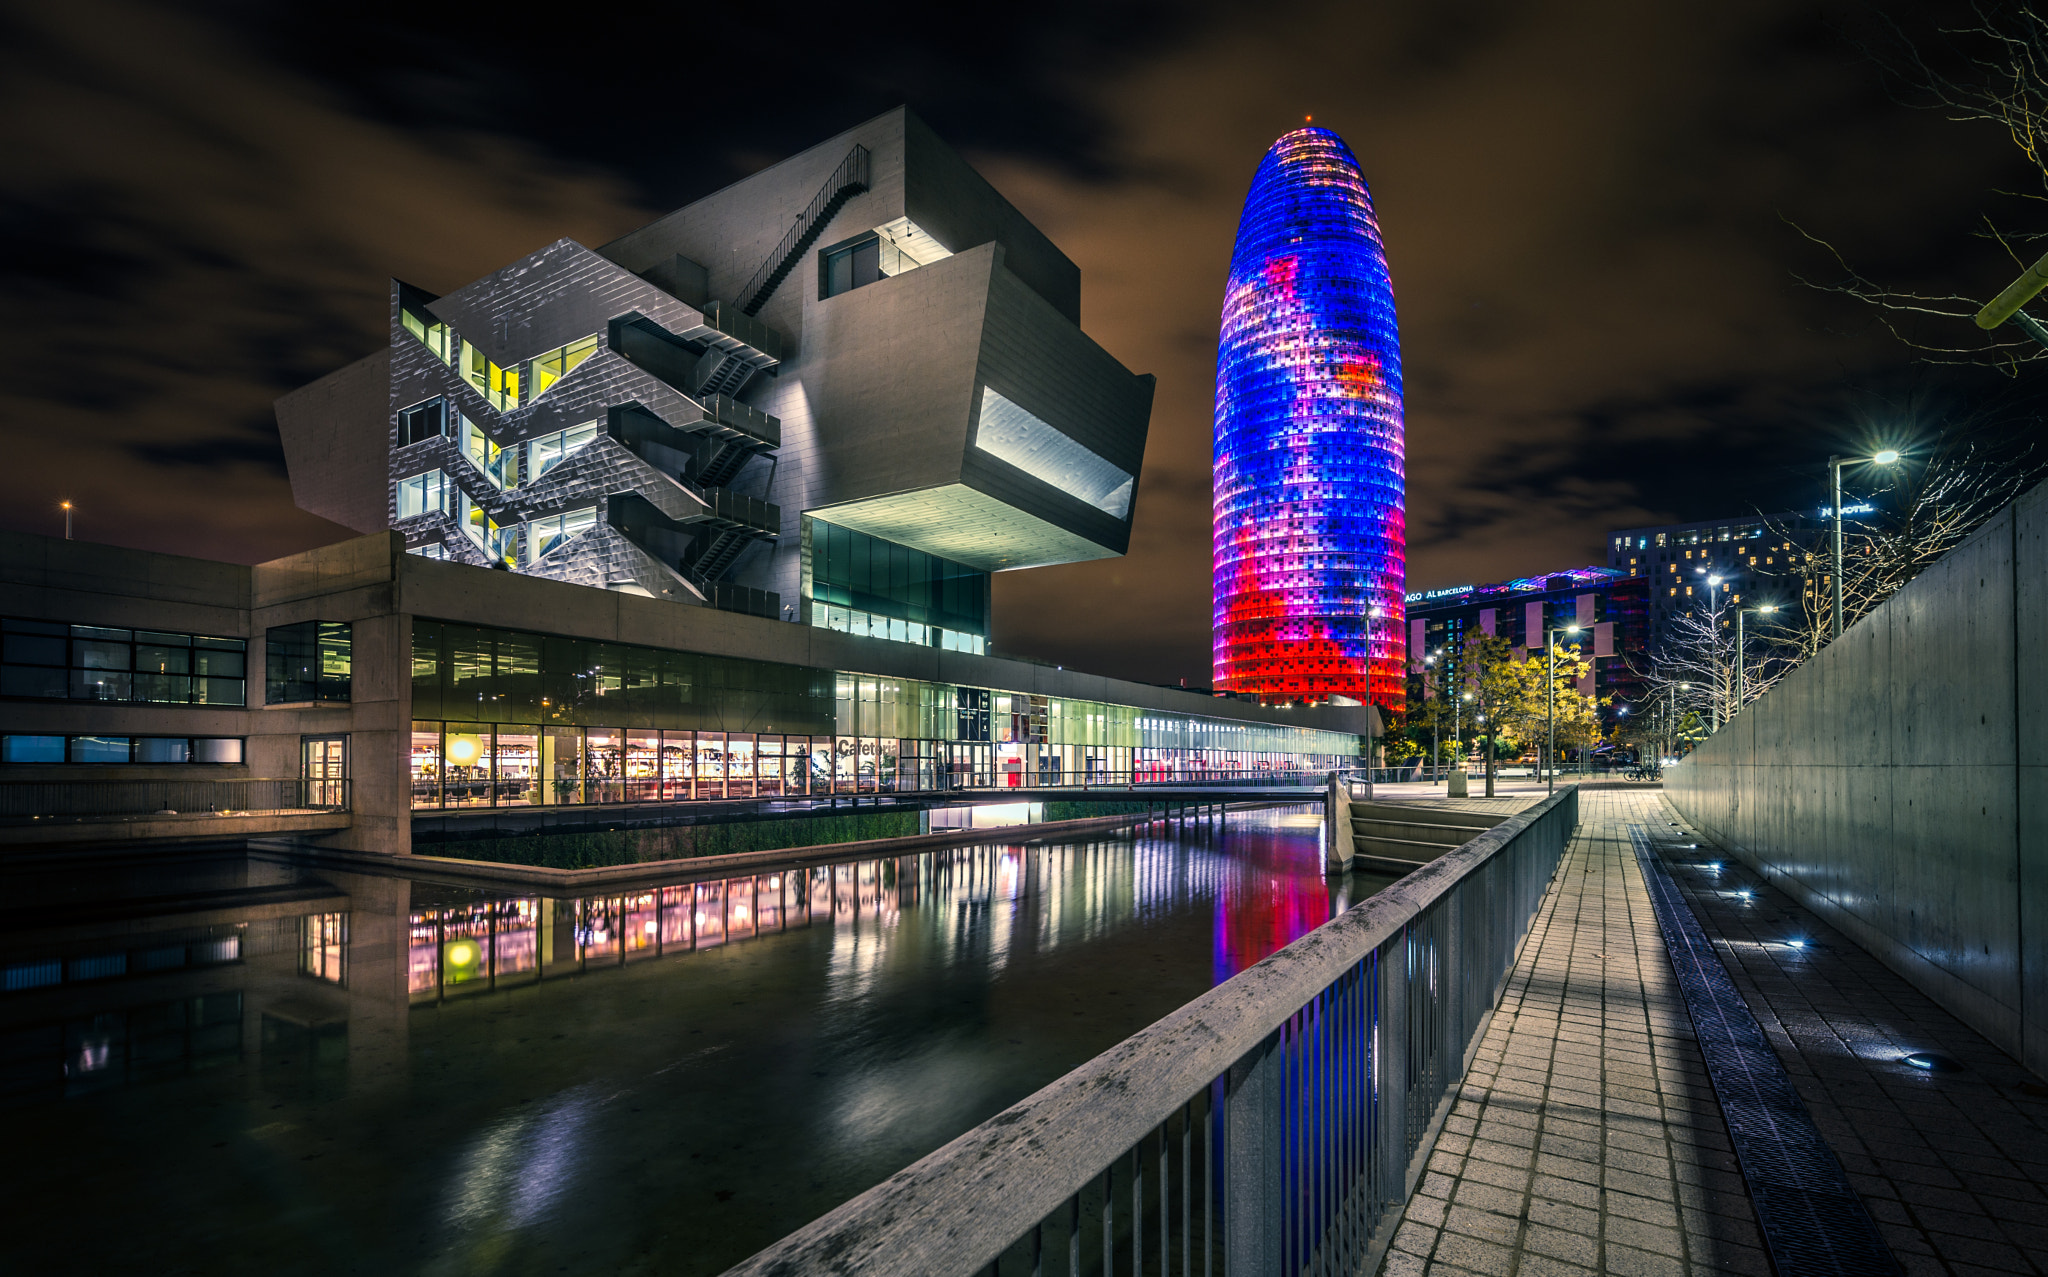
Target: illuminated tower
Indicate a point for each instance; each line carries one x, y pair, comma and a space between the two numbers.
1310, 533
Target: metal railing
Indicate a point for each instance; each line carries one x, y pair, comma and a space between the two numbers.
1276, 1124
848, 180
22, 801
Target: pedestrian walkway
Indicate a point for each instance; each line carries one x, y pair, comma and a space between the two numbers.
1586, 1137
1953, 1165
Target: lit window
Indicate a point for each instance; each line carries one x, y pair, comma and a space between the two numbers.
422, 494
500, 544
559, 363
548, 451
544, 536
495, 463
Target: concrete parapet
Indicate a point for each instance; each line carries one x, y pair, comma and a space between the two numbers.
1894, 784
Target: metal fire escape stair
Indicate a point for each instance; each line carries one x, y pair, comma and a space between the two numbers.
847, 181
689, 527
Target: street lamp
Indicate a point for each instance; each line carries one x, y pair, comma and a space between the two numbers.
1888, 456
1550, 695
1713, 583
1742, 665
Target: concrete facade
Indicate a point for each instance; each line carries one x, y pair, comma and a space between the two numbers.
1897, 783
862, 408
378, 588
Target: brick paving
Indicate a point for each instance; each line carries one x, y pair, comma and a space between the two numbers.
1586, 1138
1953, 1166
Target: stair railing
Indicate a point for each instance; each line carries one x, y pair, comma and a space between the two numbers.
848, 180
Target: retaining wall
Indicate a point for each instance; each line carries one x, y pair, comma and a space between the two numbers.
1894, 784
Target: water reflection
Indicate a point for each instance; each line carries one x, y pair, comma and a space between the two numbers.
391, 1072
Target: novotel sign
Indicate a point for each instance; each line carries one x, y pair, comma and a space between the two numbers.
1422, 596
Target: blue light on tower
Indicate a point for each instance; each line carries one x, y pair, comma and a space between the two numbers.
1310, 535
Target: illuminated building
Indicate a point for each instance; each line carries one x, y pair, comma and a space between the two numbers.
1310, 523
597, 488
1759, 558
1610, 607
849, 419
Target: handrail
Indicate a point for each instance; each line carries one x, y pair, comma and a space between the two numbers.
1319, 1068
848, 180
31, 800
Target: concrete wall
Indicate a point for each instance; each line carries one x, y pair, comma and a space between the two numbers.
1895, 782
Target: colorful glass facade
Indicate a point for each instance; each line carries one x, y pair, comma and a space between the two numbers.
1310, 517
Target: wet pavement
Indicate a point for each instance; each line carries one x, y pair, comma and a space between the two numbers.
233, 1063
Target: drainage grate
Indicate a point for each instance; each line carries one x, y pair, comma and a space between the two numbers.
1812, 1219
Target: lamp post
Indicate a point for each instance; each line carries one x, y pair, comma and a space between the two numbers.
1741, 651
1429, 663
1550, 696
1884, 458
67, 519
1714, 583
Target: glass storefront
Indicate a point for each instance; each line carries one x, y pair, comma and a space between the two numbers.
511, 719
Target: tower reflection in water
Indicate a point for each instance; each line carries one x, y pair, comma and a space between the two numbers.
670, 1075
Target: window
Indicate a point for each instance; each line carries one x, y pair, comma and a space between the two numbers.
422, 421
499, 386
431, 550
544, 536
498, 543
495, 463
324, 939
120, 749
559, 363
431, 332
548, 451
422, 494
31, 749
850, 265
49, 660
310, 661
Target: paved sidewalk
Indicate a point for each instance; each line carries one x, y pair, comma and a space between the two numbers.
1953, 1166
1587, 1137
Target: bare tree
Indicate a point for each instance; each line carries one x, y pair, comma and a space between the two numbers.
1991, 70
1920, 510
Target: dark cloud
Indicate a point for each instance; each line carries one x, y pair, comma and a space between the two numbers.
1588, 207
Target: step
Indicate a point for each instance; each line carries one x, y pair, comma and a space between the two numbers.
1405, 851
1420, 815
1441, 835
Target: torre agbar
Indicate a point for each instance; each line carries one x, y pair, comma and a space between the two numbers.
1310, 531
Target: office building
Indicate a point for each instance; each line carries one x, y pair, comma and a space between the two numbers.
1609, 607
1760, 559
1310, 513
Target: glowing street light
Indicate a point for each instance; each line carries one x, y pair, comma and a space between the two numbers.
1550, 694
1888, 456
1742, 665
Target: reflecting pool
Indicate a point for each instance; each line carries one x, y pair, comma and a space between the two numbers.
235, 1063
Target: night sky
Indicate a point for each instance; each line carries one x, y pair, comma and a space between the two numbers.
1589, 210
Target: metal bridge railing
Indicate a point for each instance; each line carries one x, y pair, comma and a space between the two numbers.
22, 801
1273, 1125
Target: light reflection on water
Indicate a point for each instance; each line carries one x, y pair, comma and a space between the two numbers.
669, 1076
